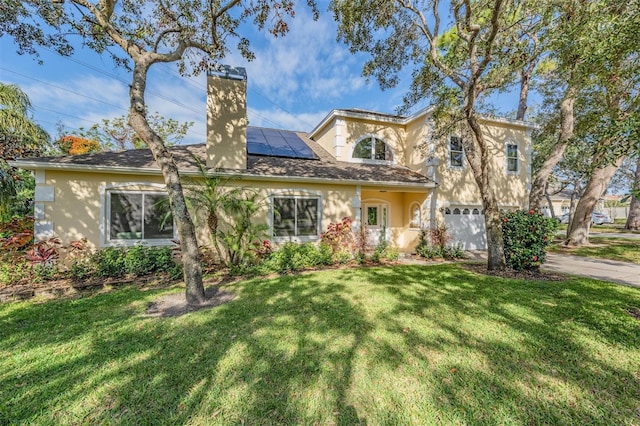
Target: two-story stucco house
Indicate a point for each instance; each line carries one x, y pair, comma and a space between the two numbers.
384, 171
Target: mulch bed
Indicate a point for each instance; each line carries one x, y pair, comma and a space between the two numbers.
511, 274
174, 305
75, 289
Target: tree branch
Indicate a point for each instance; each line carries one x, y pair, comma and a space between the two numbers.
432, 38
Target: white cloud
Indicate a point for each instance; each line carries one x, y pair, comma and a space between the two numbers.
306, 64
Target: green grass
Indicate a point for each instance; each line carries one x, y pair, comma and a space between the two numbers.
398, 345
620, 249
612, 228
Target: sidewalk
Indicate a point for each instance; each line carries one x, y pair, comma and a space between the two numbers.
600, 269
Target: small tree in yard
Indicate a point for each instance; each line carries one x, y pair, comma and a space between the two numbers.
527, 234
139, 34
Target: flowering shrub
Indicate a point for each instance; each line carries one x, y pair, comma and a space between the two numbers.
339, 236
263, 249
527, 234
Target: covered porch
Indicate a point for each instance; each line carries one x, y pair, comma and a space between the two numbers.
395, 215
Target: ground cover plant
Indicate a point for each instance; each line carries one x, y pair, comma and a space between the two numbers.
620, 249
378, 345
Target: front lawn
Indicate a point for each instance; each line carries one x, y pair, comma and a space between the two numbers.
621, 249
394, 345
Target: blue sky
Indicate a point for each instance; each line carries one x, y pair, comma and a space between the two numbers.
293, 83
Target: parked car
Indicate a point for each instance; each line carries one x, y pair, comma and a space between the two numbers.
596, 218
600, 218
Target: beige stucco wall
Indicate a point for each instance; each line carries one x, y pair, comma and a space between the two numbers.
77, 208
458, 185
413, 144
226, 122
326, 138
417, 133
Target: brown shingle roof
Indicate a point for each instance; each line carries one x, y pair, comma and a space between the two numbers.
326, 167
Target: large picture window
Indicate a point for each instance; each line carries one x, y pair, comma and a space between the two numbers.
295, 216
372, 148
139, 216
456, 152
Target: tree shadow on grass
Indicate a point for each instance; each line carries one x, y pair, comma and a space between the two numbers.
263, 359
409, 344
536, 351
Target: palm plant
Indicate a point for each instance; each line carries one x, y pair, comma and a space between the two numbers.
244, 231
20, 136
209, 196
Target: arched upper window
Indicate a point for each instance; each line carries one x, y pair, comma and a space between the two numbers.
416, 216
372, 148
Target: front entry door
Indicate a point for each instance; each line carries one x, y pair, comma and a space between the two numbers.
376, 223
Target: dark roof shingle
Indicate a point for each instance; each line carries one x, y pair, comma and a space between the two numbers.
325, 167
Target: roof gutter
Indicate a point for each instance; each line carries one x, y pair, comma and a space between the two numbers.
35, 165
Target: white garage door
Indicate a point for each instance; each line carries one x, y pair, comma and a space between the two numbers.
466, 227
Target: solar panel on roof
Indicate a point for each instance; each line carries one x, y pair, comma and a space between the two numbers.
277, 143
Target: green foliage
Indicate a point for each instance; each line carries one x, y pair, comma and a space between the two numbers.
138, 260
293, 257
16, 234
117, 133
243, 230
380, 250
14, 270
20, 137
527, 234
109, 262
392, 254
434, 243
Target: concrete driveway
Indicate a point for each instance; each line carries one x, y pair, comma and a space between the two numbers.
601, 269
614, 235
563, 234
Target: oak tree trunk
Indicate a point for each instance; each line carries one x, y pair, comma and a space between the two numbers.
578, 233
479, 162
525, 78
192, 269
633, 220
539, 184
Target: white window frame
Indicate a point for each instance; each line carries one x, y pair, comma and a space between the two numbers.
373, 147
299, 194
105, 215
449, 152
506, 158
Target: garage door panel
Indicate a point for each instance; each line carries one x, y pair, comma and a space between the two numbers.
467, 230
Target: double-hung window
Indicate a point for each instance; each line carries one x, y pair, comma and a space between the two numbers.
295, 216
456, 152
512, 158
138, 216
